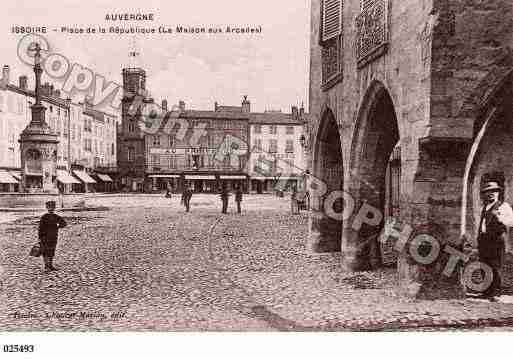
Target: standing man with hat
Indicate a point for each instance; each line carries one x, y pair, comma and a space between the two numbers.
496, 217
49, 226
186, 197
225, 195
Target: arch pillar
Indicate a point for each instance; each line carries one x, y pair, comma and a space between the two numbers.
325, 230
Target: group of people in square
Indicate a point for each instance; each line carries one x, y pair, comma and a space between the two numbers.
224, 195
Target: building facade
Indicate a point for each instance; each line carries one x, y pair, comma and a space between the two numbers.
277, 159
87, 137
410, 109
161, 149
173, 158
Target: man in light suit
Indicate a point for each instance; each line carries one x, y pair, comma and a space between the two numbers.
496, 218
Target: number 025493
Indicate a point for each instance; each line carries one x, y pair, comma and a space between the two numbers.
15, 348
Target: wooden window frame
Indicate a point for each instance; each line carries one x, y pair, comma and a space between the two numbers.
330, 47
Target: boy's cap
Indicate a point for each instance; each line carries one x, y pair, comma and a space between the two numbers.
50, 204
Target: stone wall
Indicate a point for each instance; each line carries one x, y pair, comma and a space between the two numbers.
444, 60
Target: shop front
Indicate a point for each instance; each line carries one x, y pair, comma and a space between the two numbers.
164, 182
86, 182
232, 182
104, 183
8, 183
275, 184
202, 183
66, 182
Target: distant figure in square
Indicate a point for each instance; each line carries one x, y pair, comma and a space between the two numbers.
186, 197
238, 198
225, 195
169, 191
294, 204
49, 226
496, 217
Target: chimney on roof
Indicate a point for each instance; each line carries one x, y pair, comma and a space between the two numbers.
216, 106
23, 82
295, 112
164, 105
302, 110
246, 105
57, 93
5, 75
181, 105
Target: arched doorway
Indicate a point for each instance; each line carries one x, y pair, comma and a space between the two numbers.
374, 178
326, 231
491, 155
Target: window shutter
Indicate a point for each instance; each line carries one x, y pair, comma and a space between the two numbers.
331, 19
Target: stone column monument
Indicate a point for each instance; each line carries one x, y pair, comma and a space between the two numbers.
38, 143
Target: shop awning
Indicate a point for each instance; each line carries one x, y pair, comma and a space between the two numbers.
16, 174
200, 177
65, 178
275, 178
84, 177
233, 177
164, 176
104, 178
5, 177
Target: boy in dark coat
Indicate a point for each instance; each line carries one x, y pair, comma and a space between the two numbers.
49, 226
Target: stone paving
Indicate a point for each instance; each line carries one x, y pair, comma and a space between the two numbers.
145, 265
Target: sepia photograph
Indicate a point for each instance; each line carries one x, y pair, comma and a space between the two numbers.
237, 170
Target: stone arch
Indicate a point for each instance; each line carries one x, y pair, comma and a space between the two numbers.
491, 153
375, 137
326, 230
485, 91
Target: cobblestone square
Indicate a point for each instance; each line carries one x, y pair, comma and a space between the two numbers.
141, 263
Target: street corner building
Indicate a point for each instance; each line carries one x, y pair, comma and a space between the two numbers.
410, 107
162, 148
56, 144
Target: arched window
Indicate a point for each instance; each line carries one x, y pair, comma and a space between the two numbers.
33, 154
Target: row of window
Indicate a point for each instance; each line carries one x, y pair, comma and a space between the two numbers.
273, 129
273, 146
99, 147
211, 140
194, 162
12, 106
64, 112
61, 128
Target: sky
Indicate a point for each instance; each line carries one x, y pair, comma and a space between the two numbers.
271, 68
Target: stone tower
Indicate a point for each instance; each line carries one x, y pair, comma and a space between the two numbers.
38, 143
131, 158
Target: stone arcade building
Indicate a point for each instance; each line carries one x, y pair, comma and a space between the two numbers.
411, 105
